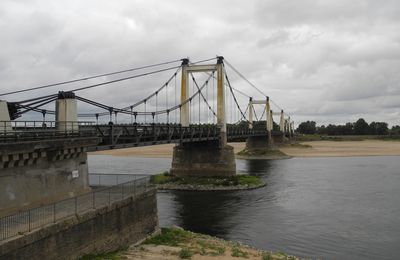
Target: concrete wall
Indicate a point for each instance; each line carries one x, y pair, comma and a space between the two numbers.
36, 173
279, 139
254, 143
203, 159
4, 116
97, 231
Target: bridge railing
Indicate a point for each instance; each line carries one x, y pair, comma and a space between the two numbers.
105, 179
244, 131
12, 131
145, 134
28, 220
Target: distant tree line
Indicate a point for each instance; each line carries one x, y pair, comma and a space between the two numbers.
360, 127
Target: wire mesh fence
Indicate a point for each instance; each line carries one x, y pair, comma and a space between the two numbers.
28, 220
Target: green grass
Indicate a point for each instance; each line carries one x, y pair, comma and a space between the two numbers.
170, 237
236, 252
162, 178
215, 180
185, 253
179, 237
207, 248
116, 255
262, 152
267, 257
298, 145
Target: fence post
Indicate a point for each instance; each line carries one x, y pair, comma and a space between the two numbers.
94, 199
109, 196
76, 205
122, 187
29, 220
54, 213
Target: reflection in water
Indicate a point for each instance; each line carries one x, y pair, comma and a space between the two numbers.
258, 167
212, 212
328, 208
206, 212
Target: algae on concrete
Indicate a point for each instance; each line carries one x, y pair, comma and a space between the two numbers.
236, 182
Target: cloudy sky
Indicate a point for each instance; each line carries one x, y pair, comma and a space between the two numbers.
323, 60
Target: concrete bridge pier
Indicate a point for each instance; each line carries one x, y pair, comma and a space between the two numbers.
260, 143
257, 143
207, 158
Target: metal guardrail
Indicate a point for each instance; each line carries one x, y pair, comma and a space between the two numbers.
113, 136
40, 125
17, 131
105, 180
28, 220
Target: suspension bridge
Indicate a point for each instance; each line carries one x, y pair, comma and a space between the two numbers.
207, 111
196, 107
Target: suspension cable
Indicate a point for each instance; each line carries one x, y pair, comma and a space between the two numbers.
243, 77
87, 78
123, 79
201, 94
234, 97
251, 84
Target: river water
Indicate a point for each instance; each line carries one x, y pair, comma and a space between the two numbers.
327, 208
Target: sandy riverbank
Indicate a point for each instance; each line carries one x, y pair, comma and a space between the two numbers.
317, 149
175, 244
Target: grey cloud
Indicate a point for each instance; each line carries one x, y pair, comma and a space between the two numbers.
277, 37
289, 13
321, 60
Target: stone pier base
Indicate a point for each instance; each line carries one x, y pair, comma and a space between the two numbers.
257, 143
280, 139
203, 159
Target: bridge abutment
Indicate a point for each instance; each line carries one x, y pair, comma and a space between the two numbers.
37, 172
207, 158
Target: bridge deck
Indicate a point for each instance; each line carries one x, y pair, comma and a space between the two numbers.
132, 135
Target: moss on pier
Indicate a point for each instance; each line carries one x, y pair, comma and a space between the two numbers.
225, 181
265, 152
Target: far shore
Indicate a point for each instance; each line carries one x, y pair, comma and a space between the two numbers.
306, 149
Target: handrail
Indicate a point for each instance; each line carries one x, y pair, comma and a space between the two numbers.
28, 220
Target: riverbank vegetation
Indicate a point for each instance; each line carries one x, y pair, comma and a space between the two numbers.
176, 243
186, 245
317, 137
207, 181
262, 152
360, 127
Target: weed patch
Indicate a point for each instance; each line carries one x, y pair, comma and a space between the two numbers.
170, 237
